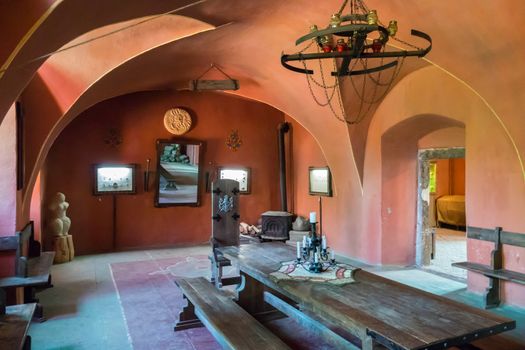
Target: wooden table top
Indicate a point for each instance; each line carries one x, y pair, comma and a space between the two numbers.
374, 305
14, 325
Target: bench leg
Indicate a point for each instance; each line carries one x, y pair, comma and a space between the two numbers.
27, 343
492, 297
187, 318
368, 343
38, 316
250, 295
213, 272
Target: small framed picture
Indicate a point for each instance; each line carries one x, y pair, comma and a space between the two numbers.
114, 179
240, 174
320, 181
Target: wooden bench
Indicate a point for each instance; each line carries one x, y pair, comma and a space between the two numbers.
14, 323
495, 272
231, 325
32, 267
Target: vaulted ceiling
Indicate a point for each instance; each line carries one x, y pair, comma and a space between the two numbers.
475, 43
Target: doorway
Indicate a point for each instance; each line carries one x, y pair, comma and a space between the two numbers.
441, 211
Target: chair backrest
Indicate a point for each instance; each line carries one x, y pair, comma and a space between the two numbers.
225, 212
25, 246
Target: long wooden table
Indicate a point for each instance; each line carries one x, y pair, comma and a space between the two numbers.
374, 309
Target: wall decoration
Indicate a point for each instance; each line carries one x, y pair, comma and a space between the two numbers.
234, 141
177, 121
114, 179
113, 139
202, 85
240, 174
320, 181
178, 170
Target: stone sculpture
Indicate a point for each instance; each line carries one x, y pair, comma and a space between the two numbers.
301, 224
58, 226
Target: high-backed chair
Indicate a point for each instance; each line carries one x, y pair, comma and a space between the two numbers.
225, 227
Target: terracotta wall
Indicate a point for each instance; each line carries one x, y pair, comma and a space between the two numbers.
139, 118
405, 112
8, 174
307, 153
442, 177
450, 177
8, 187
35, 211
457, 176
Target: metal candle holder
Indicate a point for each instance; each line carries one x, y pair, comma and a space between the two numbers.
314, 257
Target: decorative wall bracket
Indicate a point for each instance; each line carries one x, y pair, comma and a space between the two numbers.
234, 141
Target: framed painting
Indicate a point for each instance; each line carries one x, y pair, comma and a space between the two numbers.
114, 179
239, 174
178, 173
320, 181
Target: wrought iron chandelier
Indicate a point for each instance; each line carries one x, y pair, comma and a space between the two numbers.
314, 255
356, 43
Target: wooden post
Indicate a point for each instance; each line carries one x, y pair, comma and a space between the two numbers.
492, 293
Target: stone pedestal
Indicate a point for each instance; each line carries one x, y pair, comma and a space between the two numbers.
64, 249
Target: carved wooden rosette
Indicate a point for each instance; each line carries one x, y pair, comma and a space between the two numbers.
177, 121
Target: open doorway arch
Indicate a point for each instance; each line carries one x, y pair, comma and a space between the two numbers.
426, 197
399, 157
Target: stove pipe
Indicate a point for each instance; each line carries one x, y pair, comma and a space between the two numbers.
283, 129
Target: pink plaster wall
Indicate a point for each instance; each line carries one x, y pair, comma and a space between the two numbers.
35, 211
488, 150
8, 191
307, 153
443, 138
8, 198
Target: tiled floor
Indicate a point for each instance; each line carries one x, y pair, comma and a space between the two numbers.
451, 246
84, 311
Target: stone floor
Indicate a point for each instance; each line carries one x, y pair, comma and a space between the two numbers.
451, 246
84, 311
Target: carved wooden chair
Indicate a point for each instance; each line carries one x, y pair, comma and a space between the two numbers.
225, 228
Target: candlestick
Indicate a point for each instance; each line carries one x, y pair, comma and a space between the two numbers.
332, 255
298, 250
320, 215
324, 242
313, 217
304, 241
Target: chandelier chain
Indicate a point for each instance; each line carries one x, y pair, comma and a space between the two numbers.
361, 72
328, 98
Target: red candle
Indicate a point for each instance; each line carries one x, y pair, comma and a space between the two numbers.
377, 46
